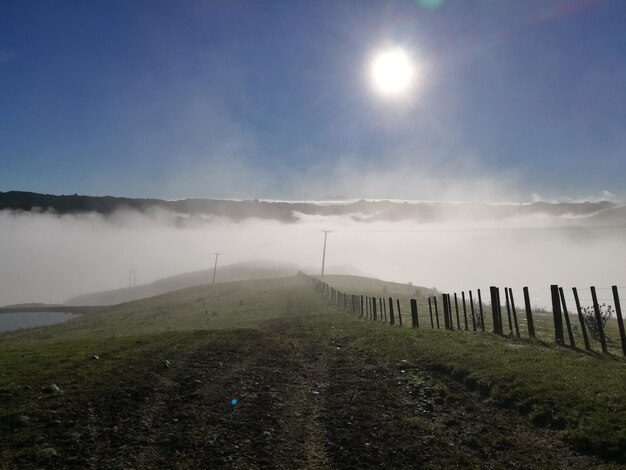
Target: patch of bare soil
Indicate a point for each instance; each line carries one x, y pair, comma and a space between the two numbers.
304, 400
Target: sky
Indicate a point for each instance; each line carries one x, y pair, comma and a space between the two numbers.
273, 99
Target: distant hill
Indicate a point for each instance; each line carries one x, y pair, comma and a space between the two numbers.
344, 269
193, 210
228, 273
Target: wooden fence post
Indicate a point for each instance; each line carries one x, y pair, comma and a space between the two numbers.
556, 313
570, 333
415, 323
464, 308
513, 309
361, 305
456, 307
473, 313
495, 310
581, 319
482, 315
399, 312
596, 309
383, 307
508, 310
430, 309
450, 315
450, 322
446, 320
392, 321
529, 314
500, 323
436, 311
620, 320
374, 313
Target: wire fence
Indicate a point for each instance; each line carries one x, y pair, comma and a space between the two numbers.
584, 320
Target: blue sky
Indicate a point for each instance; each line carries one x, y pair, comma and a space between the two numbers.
272, 99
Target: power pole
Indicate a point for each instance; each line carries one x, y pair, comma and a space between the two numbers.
215, 266
326, 232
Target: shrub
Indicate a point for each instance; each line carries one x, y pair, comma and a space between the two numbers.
589, 317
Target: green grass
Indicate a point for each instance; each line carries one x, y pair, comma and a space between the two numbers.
130, 340
583, 394
220, 306
28, 366
542, 319
555, 386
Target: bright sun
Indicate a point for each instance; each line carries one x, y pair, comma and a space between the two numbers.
393, 71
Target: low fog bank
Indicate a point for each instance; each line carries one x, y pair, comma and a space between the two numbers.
46, 257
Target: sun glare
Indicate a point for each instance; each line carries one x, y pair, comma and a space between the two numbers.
392, 71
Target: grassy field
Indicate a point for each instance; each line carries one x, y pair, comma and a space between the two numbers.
543, 321
215, 306
577, 397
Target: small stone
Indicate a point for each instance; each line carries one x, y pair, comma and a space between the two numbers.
95, 358
49, 452
52, 389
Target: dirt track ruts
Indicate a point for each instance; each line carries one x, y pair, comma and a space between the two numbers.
305, 400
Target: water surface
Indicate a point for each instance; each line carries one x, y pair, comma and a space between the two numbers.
16, 321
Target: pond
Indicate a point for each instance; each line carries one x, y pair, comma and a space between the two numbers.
15, 321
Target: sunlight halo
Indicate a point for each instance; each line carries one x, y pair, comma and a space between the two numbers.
393, 71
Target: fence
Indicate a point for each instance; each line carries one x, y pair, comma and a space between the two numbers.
528, 322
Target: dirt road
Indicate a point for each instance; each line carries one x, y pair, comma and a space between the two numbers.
305, 399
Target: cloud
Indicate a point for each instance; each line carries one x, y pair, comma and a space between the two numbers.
600, 196
229, 176
51, 258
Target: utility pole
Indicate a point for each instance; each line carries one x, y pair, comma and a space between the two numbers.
215, 267
326, 232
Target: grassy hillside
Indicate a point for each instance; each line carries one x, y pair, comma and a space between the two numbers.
301, 366
227, 273
242, 304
